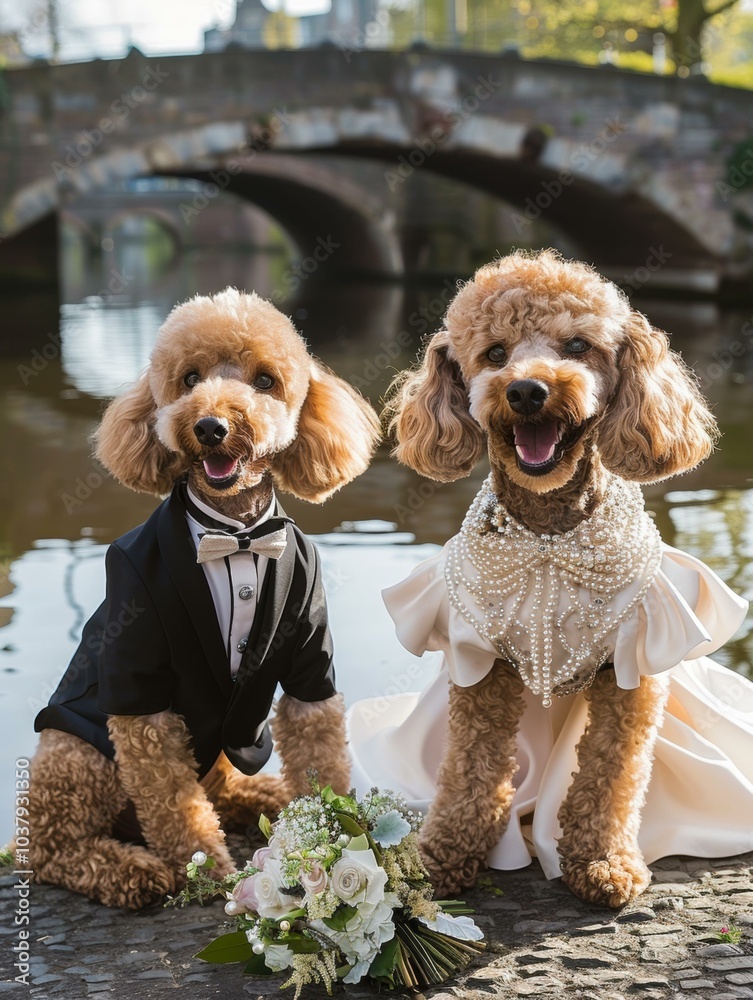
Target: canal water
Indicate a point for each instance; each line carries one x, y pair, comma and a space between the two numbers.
60, 509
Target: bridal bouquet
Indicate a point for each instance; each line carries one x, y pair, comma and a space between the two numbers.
339, 892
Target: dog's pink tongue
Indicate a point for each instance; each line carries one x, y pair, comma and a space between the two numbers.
219, 466
535, 443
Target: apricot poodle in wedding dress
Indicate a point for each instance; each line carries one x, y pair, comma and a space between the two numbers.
573, 639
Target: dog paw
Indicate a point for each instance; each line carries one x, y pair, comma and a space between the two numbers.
136, 883
449, 876
610, 881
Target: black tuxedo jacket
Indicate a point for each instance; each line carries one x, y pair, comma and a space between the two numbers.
155, 644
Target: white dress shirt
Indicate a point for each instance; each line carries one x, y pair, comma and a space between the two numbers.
234, 582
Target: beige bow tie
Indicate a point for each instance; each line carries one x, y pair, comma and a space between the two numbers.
215, 544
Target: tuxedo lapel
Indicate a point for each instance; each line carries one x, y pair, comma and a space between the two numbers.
179, 552
274, 603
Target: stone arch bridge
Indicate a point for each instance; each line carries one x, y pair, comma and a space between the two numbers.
634, 168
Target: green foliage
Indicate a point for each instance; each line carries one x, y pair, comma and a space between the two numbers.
383, 967
339, 919
717, 34
255, 966
265, 826
6, 858
486, 885
728, 47
227, 948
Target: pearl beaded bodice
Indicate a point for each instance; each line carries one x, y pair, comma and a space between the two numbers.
550, 603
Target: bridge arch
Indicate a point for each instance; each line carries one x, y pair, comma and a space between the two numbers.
618, 225
619, 228
309, 201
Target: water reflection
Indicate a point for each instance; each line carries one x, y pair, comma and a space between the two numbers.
59, 507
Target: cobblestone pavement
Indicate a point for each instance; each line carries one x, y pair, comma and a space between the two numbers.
542, 943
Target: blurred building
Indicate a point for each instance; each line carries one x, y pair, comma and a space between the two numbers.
354, 24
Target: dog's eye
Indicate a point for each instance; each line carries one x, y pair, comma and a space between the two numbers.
497, 354
264, 382
191, 379
577, 346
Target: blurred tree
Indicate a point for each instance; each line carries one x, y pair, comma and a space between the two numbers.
728, 52
572, 29
589, 31
692, 18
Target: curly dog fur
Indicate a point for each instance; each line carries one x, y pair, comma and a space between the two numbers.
612, 400
287, 421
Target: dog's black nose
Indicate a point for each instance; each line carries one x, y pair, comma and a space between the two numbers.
526, 395
210, 431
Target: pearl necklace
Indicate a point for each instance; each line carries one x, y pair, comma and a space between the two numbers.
527, 593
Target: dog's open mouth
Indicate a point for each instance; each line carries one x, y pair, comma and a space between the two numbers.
221, 470
540, 447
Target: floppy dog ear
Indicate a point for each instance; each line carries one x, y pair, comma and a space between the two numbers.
657, 424
127, 443
337, 433
428, 412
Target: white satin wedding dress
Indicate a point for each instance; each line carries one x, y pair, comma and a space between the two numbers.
700, 800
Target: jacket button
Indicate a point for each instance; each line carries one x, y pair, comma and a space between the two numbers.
246, 593
242, 645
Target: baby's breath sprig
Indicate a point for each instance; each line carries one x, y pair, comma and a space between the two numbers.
375, 803
201, 885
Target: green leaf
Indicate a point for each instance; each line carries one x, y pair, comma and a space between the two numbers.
209, 864
340, 917
265, 826
385, 962
300, 944
348, 824
360, 843
256, 967
227, 948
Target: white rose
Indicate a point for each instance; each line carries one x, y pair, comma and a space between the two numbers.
357, 878
271, 902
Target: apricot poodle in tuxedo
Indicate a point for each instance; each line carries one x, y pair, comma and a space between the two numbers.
151, 745
577, 399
